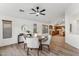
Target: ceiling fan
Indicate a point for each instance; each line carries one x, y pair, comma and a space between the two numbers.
37, 11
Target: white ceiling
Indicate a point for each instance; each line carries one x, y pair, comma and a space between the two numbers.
53, 11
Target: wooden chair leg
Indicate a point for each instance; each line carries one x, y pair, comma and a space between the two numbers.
48, 47
40, 47
38, 52
27, 51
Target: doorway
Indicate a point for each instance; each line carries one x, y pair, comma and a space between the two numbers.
58, 35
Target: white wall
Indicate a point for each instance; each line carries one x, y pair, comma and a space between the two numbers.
16, 29
71, 17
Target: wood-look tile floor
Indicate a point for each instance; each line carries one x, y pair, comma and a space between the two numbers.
18, 50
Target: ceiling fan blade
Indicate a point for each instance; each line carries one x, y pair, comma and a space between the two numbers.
34, 10
32, 13
21, 10
42, 14
42, 10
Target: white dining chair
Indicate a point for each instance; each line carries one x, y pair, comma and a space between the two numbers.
32, 43
24, 40
47, 42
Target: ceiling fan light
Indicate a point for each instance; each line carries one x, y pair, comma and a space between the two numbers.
37, 13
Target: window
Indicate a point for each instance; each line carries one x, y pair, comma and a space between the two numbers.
7, 29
